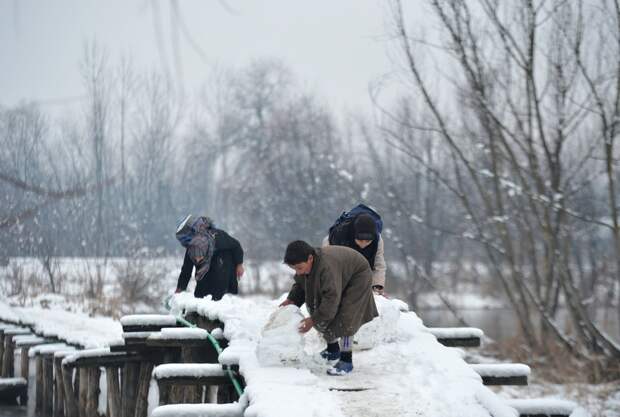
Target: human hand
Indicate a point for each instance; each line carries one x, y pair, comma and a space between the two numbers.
240, 271
285, 303
305, 325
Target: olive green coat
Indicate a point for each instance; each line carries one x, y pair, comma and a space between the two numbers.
337, 291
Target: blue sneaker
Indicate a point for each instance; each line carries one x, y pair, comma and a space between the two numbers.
341, 368
330, 356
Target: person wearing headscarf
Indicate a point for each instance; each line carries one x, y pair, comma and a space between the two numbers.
216, 256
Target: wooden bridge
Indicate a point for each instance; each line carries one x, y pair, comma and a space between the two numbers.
204, 370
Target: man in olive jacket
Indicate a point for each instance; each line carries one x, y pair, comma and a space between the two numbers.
335, 284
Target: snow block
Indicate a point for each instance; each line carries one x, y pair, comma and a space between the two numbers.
280, 342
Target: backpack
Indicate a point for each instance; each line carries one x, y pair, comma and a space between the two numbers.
349, 217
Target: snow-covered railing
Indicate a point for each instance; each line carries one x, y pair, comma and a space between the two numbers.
502, 373
547, 407
76, 329
191, 375
200, 410
457, 336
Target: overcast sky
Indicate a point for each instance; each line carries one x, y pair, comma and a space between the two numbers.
335, 47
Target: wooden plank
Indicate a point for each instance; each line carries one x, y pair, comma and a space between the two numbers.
9, 357
129, 389
164, 393
144, 382
185, 381
460, 342
59, 389
504, 380
148, 327
105, 361
114, 391
167, 343
193, 392
92, 393
38, 384
83, 391
71, 406
25, 362
47, 402
1, 349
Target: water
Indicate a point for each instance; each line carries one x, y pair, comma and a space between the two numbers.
502, 324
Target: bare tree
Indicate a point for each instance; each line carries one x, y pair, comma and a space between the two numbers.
96, 79
521, 147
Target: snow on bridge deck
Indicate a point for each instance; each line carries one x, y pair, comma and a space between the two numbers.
403, 370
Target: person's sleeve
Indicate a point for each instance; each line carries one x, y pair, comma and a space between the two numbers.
325, 241
378, 274
331, 292
186, 272
227, 242
297, 294
237, 251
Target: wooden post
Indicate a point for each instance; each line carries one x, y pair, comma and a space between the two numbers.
59, 389
8, 359
129, 389
25, 363
144, 381
47, 400
1, 350
114, 391
192, 393
38, 385
174, 393
92, 394
164, 393
83, 391
71, 405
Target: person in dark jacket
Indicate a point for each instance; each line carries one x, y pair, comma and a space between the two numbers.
218, 266
334, 283
362, 235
